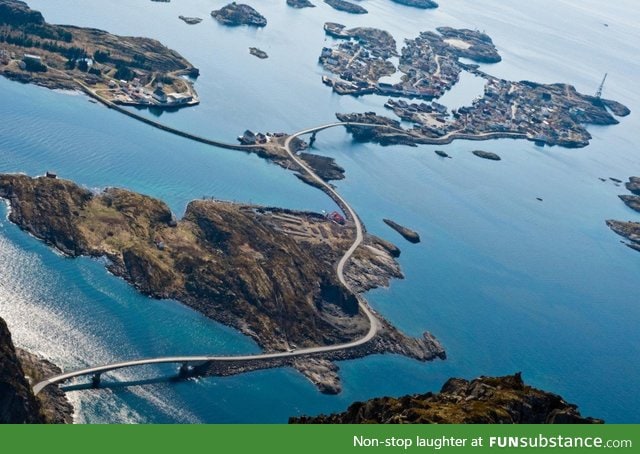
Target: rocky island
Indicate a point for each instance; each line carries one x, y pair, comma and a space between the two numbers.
120, 69
267, 272
235, 14
422, 4
485, 400
190, 20
258, 53
486, 155
347, 7
430, 65
410, 235
300, 4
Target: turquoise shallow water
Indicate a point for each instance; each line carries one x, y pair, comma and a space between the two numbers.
505, 282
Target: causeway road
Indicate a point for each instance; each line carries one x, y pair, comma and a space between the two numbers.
373, 322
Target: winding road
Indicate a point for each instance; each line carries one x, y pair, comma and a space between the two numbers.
373, 322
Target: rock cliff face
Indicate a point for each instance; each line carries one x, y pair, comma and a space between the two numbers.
485, 400
18, 405
268, 272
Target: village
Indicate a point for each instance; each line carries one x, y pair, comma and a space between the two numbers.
428, 65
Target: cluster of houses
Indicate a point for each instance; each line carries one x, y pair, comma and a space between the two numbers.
135, 93
257, 138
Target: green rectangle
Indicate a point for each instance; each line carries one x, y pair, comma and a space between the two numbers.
318, 439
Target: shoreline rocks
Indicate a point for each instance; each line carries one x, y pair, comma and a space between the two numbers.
56, 408
236, 14
410, 235
485, 400
629, 230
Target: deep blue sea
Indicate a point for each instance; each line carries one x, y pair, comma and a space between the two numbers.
506, 282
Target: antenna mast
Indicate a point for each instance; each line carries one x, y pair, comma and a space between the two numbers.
601, 87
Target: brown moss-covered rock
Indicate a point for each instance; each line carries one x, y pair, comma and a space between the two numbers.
485, 400
268, 272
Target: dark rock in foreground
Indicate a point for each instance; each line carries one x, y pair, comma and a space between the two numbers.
485, 400
486, 155
300, 4
18, 405
442, 154
422, 4
408, 234
239, 14
348, 7
56, 408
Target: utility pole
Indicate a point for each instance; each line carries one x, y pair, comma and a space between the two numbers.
601, 87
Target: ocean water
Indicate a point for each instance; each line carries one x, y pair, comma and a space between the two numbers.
506, 282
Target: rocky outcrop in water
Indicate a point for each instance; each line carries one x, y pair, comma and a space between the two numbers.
300, 4
235, 14
268, 272
485, 400
422, 4
410, 235
347, 7
486, 155
631, 229
190, 20
633, 185
258, 53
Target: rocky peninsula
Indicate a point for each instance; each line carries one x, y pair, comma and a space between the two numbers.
267, 272
410, 235
121, 69
18, 405
347, 7
429, 66
484, 400
235, 14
